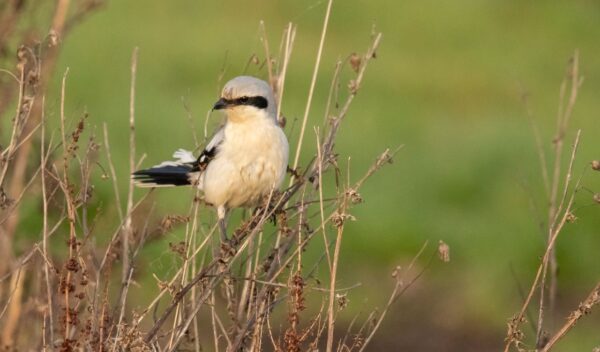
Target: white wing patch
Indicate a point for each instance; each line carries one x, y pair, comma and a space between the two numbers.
184, 156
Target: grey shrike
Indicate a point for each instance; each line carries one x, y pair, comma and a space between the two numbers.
245, 160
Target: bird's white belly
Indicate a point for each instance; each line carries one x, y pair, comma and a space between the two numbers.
248, 167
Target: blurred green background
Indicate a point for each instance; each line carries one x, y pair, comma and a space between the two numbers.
447, 83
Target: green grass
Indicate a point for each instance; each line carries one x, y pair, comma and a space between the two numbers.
447, 83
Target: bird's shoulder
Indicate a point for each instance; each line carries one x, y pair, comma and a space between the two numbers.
210, 150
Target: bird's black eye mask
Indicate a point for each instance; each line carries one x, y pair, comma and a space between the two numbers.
257, 101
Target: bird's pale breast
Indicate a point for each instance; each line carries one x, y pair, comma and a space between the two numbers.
248, 166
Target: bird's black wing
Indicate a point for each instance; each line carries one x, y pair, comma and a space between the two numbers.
209, 151
183, 172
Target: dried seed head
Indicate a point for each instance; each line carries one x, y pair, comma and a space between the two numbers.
94, 147
338, 219
444, 251
357, 341
353, 86
571, 217
72, 265
297, 292
596, 165
355, 62
170, 221
179, 248
52, 38
514, 332
65, 287
354, 196
282, 121
291, 340
342, 300
596, 198
21, 57
5, 201
254, 60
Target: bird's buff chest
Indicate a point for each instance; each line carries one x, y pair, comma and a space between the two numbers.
250, 162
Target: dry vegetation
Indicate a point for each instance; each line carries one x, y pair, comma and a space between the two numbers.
560, 212
58, 287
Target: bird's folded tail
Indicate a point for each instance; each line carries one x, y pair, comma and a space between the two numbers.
169, 173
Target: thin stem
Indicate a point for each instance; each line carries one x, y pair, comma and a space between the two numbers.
330, 316
127, 229
550, 246
321, 208
312, 87
43, 163
584, 308
554, 209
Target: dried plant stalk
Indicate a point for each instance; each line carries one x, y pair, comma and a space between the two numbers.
237, 286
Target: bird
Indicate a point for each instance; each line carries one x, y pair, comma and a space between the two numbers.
245, 160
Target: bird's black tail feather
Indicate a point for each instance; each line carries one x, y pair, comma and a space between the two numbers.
163, 176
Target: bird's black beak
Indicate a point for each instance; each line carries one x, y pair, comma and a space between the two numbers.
221, 104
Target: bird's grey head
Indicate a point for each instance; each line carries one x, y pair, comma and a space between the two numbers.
246, 96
